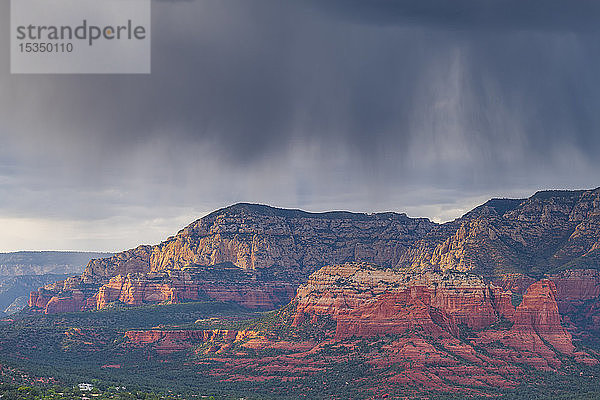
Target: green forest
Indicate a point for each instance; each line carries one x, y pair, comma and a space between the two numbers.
47, 356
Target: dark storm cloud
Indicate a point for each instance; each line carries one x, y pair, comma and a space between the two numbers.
528, 15
425, 106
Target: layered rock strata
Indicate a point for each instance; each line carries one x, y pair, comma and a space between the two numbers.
365, 299
369, 301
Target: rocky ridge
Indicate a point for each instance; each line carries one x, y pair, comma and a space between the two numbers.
254, 238
275, 250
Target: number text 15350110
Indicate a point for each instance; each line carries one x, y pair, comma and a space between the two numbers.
46, 47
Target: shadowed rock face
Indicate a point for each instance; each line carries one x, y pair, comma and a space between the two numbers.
269, 252
548, 232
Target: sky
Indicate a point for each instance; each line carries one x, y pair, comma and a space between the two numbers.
428, 107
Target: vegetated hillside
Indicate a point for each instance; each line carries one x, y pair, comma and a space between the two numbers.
46, 262
271, 251
70, 348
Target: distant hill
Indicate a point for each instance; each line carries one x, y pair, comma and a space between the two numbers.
46, 262
24, 271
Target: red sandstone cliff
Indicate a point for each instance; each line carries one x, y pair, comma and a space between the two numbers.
180, 286
369, 301
168, 341
360, 296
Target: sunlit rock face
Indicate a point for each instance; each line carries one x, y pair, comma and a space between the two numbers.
169, 341
367, 299
184, 286
254, 238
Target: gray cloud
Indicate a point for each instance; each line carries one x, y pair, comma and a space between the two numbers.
426, 107
530, 15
